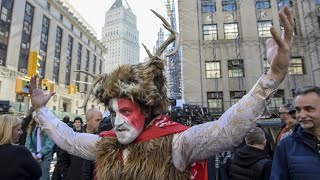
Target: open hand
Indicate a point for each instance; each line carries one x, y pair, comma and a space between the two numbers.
278, 48
38, 98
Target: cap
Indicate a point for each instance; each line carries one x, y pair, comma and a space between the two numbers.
291, 109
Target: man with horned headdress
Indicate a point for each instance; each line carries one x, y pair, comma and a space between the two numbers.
144, 143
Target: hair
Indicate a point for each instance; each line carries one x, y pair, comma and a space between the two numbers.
255, 136
77, 118
90, 112
66, 119
308, 89
31, 126
7, 123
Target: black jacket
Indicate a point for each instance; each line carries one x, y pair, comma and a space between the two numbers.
249, 163
16, 162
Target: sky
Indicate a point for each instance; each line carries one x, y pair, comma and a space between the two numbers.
93, 11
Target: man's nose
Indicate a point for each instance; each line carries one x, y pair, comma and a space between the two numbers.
118, 121
301, 115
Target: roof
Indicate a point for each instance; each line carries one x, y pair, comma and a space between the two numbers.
120, 3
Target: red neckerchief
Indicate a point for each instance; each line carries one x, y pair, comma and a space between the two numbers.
163, 126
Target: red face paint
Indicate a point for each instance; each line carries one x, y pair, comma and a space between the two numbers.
127, 119
132, 112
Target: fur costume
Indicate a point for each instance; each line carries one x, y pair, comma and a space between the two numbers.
143, 83
146, 160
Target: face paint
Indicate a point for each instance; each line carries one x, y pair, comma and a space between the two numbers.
127, 119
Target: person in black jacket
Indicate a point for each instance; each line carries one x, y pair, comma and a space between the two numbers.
93, 121
16, 162
251, 162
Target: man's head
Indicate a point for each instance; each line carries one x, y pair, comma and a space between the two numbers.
284, 113
255, 136
93, 118
77, 122
307, 105
66, 119
127, 119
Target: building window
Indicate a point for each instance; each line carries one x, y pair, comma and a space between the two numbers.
26, 38
236, 68
282, 3
100, 66
276, 101
210, 32
319, 20
86, 78
69, 60
296, 66
61, 17
229, 5
5, 25
213, 69
94, 64
71, 27
57, 55
264, 28
208, 6
44, 45
263, 4
79, 55
293, 93
235, 96
215, 102
48, 6
230, 30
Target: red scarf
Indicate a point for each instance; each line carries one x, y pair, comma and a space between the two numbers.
163, 126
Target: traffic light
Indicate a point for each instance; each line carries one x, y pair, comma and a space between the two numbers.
33, 63
74, 88
48, 85
22, 85
69, 89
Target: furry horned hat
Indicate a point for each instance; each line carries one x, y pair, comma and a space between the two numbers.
143, 83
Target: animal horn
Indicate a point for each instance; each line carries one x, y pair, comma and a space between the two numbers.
174, 36
96, 80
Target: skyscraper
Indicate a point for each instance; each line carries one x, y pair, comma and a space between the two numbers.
120, 36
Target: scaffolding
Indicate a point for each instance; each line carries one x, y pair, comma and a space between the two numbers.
174, 64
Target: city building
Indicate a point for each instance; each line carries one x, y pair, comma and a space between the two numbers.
224, 53
64, 41
120, 36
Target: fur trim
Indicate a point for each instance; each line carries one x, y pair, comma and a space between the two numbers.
143, 83
149, 160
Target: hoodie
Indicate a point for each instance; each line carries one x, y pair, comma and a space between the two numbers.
250, 163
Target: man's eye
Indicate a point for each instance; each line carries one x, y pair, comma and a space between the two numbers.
125, 112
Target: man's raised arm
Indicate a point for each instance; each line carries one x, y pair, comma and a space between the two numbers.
202, 141
79, 144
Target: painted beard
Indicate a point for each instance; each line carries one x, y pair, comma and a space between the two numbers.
127, 119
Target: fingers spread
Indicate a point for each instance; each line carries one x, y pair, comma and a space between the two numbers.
287, 20
277, 38
32, 84
40, 83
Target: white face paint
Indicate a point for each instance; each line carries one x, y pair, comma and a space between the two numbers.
127, 119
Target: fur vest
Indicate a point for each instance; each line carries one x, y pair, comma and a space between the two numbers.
147, 160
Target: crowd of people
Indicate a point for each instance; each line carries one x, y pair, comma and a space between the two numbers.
145, 144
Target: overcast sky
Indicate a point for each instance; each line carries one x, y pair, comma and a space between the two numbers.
148, 24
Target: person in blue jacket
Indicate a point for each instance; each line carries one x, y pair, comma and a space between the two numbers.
298, 155
41, 146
